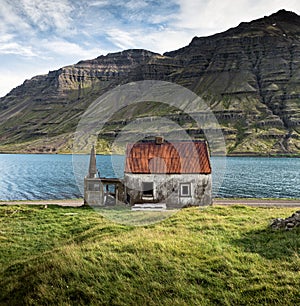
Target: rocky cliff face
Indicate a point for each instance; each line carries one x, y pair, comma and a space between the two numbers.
251, 73
250, 76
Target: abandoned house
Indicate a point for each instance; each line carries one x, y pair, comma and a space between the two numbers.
156, 171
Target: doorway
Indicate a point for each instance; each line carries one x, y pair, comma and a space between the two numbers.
148, 194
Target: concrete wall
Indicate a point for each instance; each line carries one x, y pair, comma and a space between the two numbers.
166, 188
93, 192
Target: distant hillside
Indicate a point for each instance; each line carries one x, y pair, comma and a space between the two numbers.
249, 75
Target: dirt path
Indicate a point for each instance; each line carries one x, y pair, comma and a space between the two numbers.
218, 201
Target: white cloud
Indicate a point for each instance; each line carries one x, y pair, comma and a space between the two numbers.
136, 4
168, 40
10, 19
7, 82
46, 15
4, 38
159, 41
61, 32
17, 49
62, 47
212, 16
99, 3
194, 18
123, 39
9, 79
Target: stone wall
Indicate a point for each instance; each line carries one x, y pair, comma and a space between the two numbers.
166, 189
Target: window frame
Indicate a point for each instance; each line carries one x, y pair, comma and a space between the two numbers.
185, 195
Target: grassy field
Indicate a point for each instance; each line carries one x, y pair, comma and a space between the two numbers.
214, 256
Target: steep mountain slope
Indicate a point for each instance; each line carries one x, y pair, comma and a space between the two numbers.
42, 113
252, 73
249, 75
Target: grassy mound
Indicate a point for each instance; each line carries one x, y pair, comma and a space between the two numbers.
215, 256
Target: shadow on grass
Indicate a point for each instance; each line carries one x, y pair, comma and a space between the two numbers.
271, 244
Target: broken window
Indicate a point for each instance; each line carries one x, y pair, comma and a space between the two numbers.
93, 186
148, 189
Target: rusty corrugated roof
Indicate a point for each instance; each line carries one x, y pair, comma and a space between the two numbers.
169, 157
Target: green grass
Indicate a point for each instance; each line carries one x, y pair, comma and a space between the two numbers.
213, 256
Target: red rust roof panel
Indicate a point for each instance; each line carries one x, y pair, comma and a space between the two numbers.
168, 158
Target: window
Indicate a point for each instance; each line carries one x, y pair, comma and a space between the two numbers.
110, 188
185, 190
148, 189
93, 186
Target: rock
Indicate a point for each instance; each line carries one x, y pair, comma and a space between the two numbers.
296, 216
288, 223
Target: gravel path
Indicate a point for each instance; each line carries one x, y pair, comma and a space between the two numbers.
218, 201
70, 202
259, 202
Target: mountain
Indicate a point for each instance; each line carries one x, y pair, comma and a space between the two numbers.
249, 75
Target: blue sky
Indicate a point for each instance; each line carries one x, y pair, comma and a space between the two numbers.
41, 35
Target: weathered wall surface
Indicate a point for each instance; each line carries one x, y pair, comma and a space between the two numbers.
93, 192
166, 188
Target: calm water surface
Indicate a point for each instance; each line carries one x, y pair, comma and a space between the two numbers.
30, 177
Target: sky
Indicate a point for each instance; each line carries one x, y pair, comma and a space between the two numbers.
37, 36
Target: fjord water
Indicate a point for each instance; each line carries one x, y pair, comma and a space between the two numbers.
34, 176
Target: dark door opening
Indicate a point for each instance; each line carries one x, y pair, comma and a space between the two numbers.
147, 189
110, 194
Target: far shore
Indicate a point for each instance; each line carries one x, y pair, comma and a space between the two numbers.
258, 155
257, 202
238, 154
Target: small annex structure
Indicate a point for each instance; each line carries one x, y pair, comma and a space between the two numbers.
101, 191
175, 174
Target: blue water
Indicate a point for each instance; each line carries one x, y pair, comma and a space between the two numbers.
36, 176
